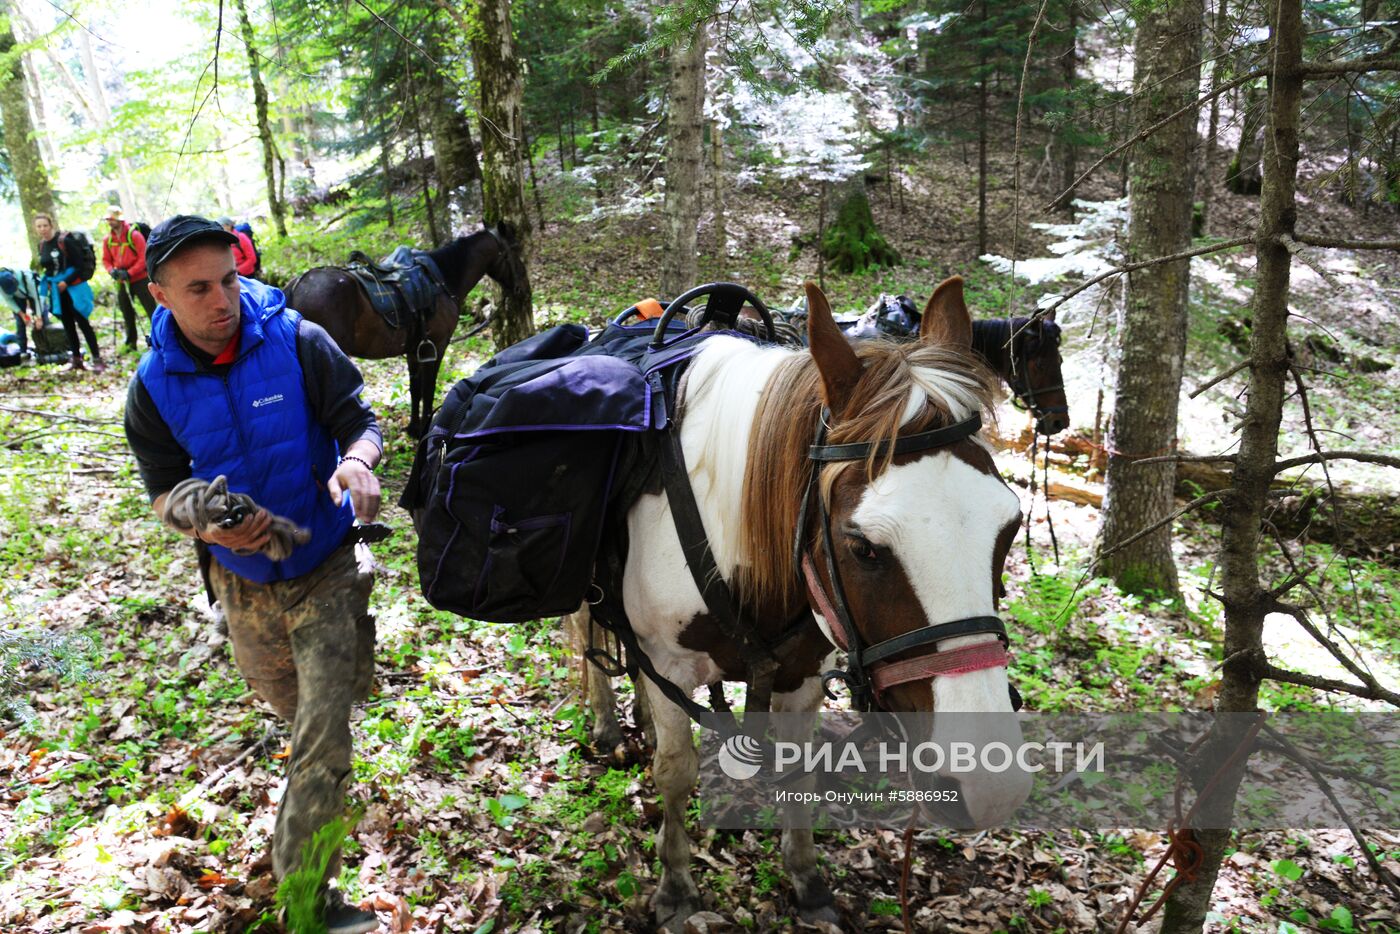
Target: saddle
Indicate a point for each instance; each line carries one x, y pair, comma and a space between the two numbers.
402, 288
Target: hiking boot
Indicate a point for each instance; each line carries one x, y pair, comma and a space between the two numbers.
75, 362
347, 919
98, 366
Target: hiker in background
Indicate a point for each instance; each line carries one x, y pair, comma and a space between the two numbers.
68, 262
19, 290
245, 255
290, 436
124, 258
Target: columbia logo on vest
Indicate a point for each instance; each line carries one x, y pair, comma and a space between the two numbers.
266, 400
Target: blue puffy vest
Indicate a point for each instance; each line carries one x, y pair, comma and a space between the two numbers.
255, 425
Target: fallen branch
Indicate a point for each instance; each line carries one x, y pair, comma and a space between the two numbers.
1294, 753
213, 778
58, 416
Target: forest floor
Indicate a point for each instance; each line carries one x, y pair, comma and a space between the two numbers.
140, 785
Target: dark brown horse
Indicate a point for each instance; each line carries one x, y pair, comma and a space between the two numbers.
1025, 352
331, 297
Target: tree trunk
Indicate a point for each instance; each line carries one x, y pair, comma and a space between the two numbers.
717, 198
1069, 152
502, 162
274, 203
534, 183
1217, 77
384, 174
424, 174
1244, 599
31, 177
1152, 338
39, 115
685, 114
982, 139
1243, 175
130, 202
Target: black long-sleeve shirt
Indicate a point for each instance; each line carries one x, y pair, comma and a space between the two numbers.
333, 386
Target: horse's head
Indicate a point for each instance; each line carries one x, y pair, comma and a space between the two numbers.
907, 526
507, 268
1037, 380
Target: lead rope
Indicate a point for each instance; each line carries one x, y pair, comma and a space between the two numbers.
1182, 849
904, 871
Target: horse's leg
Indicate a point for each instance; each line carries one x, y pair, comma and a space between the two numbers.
596, 686
674, 769
645, 721
814, 898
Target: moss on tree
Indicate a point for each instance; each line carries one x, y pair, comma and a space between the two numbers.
851, 243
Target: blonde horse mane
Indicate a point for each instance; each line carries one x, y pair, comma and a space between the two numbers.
954, 384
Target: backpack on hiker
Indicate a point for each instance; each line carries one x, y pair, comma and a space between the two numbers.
82, 258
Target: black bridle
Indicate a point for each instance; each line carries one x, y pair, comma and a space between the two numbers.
1020, 348
860, 674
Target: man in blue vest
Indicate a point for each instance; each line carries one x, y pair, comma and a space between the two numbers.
238, 385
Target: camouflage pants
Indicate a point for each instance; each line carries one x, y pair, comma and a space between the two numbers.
306, 646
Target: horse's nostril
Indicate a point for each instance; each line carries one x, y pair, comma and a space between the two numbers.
1054, 424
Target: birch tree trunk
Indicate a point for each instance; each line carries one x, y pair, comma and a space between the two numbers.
130, 202
684, 157
1244, 598
38, 112
274, 202
31, 177
502, 158
1152, 335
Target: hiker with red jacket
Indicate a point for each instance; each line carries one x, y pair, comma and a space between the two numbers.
245, 257
67, 261
124, 258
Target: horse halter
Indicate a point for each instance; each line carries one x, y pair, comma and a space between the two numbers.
869, 673
1020, 378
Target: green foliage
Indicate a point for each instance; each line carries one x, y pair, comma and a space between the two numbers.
301, 894
27, 652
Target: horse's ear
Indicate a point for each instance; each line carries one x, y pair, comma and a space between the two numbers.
835, 358
946, 320
507, 231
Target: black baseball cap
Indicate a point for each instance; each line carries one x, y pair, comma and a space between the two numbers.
181, 230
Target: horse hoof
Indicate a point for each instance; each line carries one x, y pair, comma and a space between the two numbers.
824, 917
674, 911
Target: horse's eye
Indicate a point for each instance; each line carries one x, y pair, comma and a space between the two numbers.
863, 550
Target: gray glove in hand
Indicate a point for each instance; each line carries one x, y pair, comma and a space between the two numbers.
204, 507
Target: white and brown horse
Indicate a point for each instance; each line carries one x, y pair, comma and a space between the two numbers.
918, 539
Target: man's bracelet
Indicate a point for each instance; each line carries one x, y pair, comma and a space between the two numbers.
358, 460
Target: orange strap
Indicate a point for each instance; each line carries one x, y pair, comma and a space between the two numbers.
650, 308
